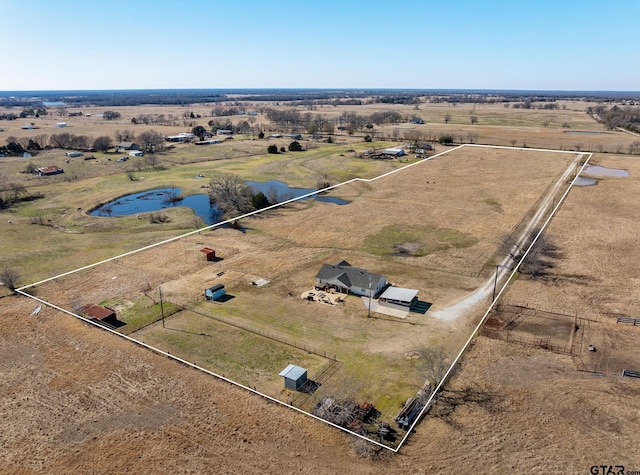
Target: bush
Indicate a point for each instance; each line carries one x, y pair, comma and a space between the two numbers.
295, 146
272, 149
283, 150
261, 135
445, 140
367, 138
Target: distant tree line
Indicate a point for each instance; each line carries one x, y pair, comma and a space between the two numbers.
625, 117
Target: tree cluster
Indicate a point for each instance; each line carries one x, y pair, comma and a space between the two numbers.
10, 192
625, 117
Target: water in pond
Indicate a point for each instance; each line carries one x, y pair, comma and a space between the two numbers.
584, 181
598, 171
156, 200
285, 192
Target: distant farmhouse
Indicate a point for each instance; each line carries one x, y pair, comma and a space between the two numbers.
48, 171
128, 146
348, 279
181, 137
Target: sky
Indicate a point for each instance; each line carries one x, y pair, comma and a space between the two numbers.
421, 44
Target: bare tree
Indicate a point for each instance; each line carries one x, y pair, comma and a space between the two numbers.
447, 118
102, 143
9, 278
474, 119
230, 194
513, 142
433, 364
472, 137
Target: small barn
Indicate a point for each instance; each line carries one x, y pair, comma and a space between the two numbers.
48, 171
100, 313
294, 377
215, 292
61, 124
74, 154
393, 152
209, 253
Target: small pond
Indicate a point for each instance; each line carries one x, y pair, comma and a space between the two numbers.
584, 181
597, 171
158, 199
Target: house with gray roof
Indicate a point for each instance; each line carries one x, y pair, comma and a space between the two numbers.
343, 277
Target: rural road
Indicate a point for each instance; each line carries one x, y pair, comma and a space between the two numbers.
506, 266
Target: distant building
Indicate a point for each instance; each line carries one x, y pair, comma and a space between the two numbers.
73, 154
346, 278
48, 171
417, 120
27, 127
61, 124
136, 153
293, 136
128, 146
224, 132
394, 152
181, 137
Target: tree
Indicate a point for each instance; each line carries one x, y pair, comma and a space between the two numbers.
199, 131
433, 364
272, 148
474, 119
447, 118
102, 143
230, 194
295, 146
259, 200
9, 278
111, 115
152, 140
367, 138
445, 140
261, 135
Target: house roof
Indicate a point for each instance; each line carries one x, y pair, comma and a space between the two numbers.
97, 311
126, 145
215, 288
398, 293
51, 169
293, 372
345, 275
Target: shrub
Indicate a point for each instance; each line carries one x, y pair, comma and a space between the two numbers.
272, 149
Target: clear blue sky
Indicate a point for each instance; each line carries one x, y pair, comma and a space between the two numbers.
467, 44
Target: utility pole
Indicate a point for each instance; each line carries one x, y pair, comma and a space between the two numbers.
369, 306
161, 306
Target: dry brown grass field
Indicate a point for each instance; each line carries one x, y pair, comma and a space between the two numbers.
76, 399
448, 205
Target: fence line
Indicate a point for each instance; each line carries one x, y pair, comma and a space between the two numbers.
533, 341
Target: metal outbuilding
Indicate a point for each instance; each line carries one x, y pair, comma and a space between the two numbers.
294, 377
215, 292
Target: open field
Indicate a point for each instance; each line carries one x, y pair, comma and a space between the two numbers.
448, 206
78, 399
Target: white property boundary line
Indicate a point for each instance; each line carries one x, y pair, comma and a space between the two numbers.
21, 290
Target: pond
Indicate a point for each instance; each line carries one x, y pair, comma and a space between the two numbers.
158, 199
597, 171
